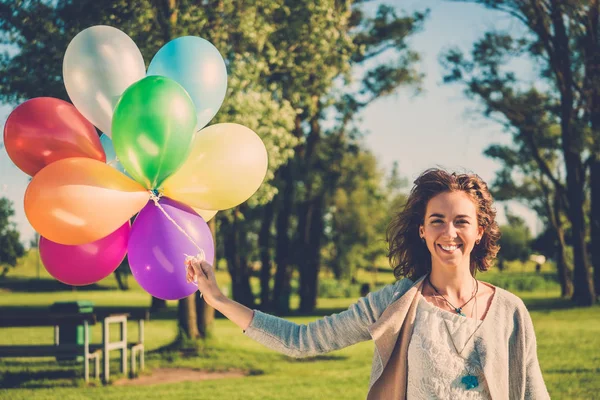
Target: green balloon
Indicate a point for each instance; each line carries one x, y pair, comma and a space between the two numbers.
152, 129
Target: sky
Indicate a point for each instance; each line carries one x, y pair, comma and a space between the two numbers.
438, 128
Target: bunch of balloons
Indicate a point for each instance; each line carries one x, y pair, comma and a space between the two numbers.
153, 158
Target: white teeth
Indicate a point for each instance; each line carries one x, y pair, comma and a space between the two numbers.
449, 248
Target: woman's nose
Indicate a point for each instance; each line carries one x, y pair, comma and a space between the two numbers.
450, 230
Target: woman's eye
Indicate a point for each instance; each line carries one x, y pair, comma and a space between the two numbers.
463, 221
437, 221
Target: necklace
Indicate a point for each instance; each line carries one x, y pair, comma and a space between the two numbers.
469, 380
458, 310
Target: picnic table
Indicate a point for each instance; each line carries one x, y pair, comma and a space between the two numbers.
136, 348
57, 349
89, 351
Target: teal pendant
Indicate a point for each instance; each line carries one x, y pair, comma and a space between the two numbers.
459, 312
470, 381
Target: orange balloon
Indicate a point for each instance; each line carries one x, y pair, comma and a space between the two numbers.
43, 130
80, 200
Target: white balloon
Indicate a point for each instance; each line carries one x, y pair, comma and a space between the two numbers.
99, 64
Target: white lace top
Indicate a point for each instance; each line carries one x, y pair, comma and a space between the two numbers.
435, 370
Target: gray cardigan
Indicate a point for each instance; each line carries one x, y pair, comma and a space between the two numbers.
505, 341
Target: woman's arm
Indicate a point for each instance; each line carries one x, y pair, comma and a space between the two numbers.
204, 274
321, 336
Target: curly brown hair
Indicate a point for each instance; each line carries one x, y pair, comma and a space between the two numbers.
408, 255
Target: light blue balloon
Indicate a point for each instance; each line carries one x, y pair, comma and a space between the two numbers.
111, 155
196, 65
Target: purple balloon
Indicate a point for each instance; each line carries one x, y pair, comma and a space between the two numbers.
88, 263
157, 249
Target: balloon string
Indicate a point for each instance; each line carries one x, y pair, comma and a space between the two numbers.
201, 256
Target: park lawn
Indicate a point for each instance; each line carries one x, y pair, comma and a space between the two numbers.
568, 343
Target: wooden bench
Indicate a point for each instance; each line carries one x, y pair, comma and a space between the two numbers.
57, 349
108, 345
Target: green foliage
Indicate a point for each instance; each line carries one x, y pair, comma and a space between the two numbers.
361, 206
299, 72
516, 239
11, 249
334, 289
241, 32
524, 282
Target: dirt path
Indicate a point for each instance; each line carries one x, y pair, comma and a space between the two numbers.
173, 375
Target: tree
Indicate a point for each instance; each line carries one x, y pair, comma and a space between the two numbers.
520, 179
515, 240
289, 62
360, 210
11, 249
589, 40
339, 41
554, 30
39, 31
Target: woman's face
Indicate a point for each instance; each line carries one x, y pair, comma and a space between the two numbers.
450, 229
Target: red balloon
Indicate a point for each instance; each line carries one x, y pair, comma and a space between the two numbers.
44, 129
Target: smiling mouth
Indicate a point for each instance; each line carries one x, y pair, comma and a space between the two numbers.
449, 249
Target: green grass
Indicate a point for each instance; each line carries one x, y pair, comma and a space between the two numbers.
568, 343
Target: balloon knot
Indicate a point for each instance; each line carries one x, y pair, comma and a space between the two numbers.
198, 257
155, 196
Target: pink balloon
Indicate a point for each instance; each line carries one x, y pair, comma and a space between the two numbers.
88, 263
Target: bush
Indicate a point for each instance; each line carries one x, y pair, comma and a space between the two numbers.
332, 289
525, 282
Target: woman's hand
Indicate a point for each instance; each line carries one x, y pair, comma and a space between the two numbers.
203, 274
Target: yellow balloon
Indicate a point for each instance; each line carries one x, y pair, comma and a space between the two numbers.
80, 200
227, 164
206, 215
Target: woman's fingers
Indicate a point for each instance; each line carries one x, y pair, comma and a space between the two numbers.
206, 268
198, 270
189, 274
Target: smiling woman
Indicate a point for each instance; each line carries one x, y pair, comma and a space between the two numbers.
438, 331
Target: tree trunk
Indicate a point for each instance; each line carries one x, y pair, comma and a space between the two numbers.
595, 221
592, 84
121, 280
157, 304
264, 242
237, 263
121, 274
205, 314
583, 292
280, 302
562, 265
554, 206
186, 318
309, 273
205, 317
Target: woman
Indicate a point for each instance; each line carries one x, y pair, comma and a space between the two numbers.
439, 332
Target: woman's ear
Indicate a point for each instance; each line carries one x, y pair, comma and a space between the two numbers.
421, 231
